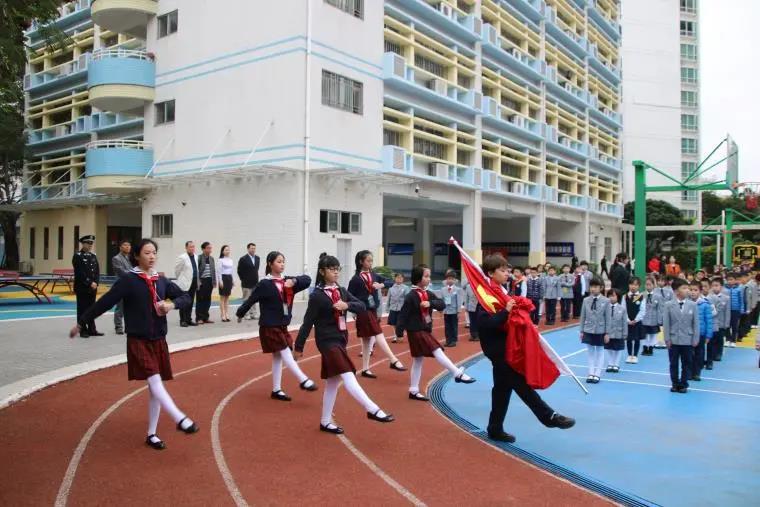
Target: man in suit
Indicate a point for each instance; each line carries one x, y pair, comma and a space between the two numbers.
186, 273
121, 265
206, 283
248, 272
86, 280
680, 325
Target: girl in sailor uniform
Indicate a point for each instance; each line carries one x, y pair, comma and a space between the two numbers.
365, 286
275, 295
416, 318
326, 313
147, 298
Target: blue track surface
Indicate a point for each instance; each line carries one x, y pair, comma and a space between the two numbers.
635, 440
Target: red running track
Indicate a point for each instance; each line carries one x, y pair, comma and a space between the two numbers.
273, 451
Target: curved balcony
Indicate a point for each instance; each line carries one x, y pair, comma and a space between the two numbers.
121, 79
111, 165
124, 16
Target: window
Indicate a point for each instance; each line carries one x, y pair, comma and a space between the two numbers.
688, 75
429, 65
689, 196
689, 52
689, 122
60, 243
341, 92
162, 226
76, 238
165, 112
688, 145
393, 47
689, 6
608, 248
353, 7
45, 243
32, 242
391, 137
689, 214
340, 222
689, 99
687, 169
688, 28
167, 24
429, 148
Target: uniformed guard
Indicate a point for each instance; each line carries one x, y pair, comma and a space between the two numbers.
86, 280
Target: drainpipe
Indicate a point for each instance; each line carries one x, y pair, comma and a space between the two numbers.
307, 141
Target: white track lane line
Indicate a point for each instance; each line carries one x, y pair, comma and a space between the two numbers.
668, 375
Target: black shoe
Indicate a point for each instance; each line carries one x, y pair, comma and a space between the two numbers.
610, 369
502, 436
368, 374
674, 389
183, 324
683, 390
396, 365
696, 378
312, 387
193, 428
119, 331
459, 380
96, 333
192, 324
475, 339
452, 344
84, 335
560, 421
718, 358
418, 397
337, 430
280, 395
159, 446
388, 417
709, 366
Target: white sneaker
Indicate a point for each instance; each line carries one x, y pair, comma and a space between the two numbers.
732, 344
629, 360
634, 359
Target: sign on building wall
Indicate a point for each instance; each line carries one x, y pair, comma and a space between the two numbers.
522, 248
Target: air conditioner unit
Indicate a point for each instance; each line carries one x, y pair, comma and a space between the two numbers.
399, 66
564, 199
438, 170
438, 86
446, 10
474, 24
82, 61
489, 106
477, 100
518, 188
489, 34
398, 159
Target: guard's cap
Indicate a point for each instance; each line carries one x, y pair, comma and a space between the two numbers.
90, 238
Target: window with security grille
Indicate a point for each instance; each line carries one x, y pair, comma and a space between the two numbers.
688, 145
167, 24
342, 92
688, 75
689, 52
163, 226
688, 28
340, 222
689, 6
353, 7
391, 137
687, 169
689, 122
689, 99
429, 148
164, 112
429, 65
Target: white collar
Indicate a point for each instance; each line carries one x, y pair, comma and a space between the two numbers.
137, 270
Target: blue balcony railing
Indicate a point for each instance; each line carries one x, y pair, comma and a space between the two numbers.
60, 74
80, 126
66, 190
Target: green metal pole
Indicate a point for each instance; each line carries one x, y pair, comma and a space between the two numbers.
729, 238
640, 219
699, 251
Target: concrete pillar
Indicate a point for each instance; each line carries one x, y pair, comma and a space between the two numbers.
472, 227
425, 245
583, 243
537, 247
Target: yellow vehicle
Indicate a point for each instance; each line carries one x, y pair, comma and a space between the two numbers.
746, 252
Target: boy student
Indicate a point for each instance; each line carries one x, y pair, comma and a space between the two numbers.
587, 275
551, 290
680, 322
579, 288
754, 308
736, 295
636, 308
518, 285
595, 323
705, 310
451, 295
722, 322
534, 293
748, 282
471, 306
396, 296
566, 290
665, 292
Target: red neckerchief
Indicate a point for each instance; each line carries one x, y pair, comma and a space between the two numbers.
367, 278
286, 293
334, 294
150, 281
423, 295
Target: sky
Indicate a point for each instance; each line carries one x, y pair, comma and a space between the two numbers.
730, 81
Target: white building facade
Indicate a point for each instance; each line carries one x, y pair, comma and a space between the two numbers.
335, 126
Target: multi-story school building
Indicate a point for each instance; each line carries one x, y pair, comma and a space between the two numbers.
328, 125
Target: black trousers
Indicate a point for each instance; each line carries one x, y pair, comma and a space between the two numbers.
451, 325
564, 307
203, 301
506, 380
577, 303
85, 299
186, 314
633, 342
699, 357
536, 307
550, 309
684, 354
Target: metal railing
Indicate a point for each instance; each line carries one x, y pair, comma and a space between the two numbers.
137, 54
119, 143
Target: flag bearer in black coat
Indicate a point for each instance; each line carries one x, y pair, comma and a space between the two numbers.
147, 298
86, 281
275, 295
326, 313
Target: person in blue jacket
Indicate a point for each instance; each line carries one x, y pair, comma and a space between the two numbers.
705, 310
738, 307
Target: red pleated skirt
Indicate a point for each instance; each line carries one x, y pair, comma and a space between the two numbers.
367, 324
422, 343
146, 358
275, 339
335, 361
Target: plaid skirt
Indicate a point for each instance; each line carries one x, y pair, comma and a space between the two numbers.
146, 358
274, 339
367, 324
335, 361
422, 344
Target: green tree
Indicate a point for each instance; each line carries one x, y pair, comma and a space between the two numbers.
658, 213
15, 17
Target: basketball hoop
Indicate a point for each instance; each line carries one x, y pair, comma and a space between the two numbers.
751, 195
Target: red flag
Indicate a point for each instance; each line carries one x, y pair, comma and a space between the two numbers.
525, 352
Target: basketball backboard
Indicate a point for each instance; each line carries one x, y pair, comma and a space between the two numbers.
732, 164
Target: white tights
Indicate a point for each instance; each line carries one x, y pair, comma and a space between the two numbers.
651, 340
285, 356
369, 343
443, 360
353, 388
613, 357
159, 397
595, 359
